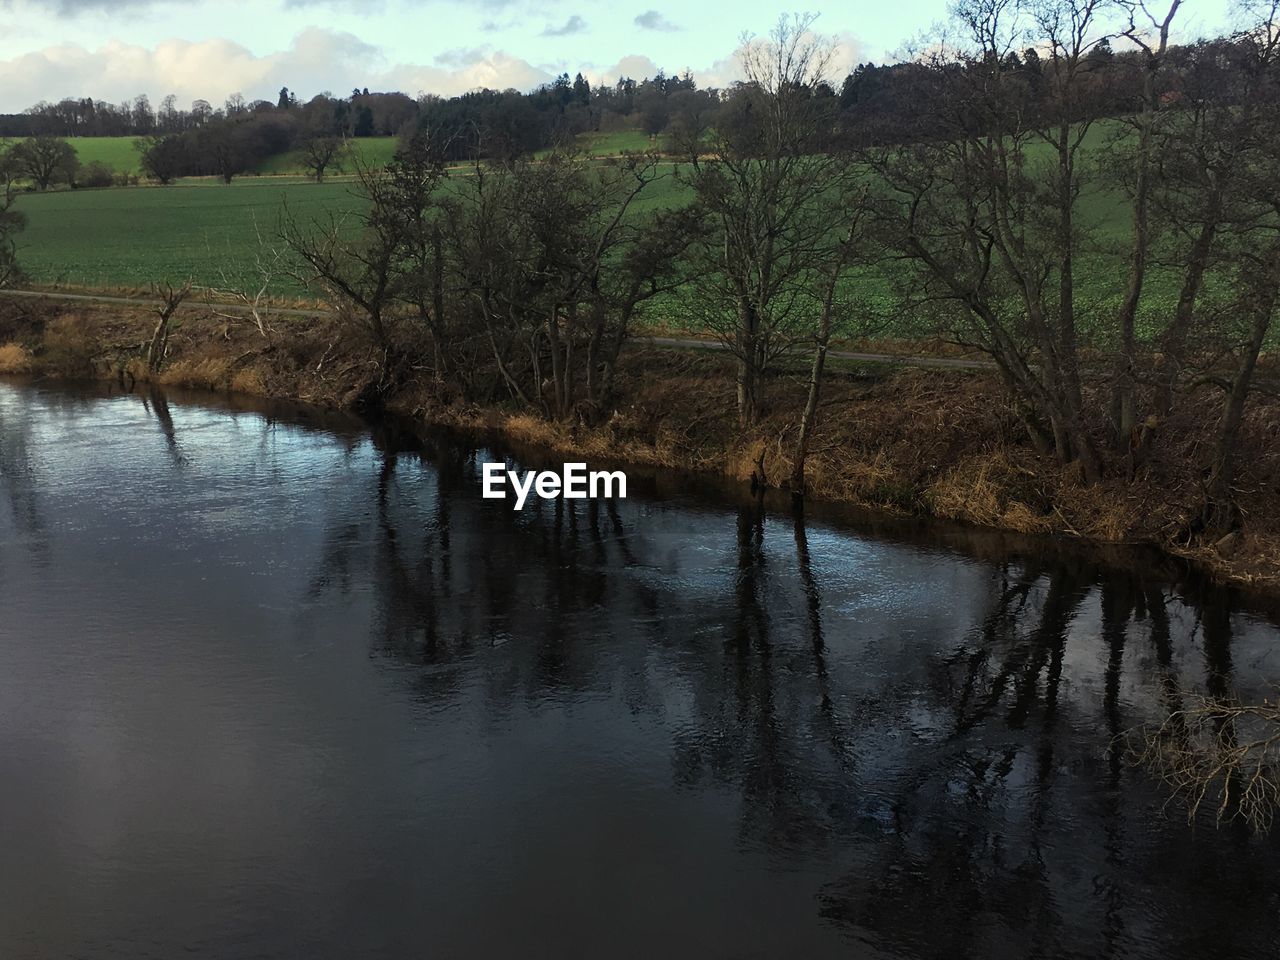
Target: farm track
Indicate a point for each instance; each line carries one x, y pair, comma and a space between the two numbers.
673, 343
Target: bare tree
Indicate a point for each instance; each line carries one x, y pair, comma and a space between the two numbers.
990, 233
1259, 286
366, 263
1217, 198
355, 276
220, 145
413, 200
46, 161
837, 310
765, 180
1150, 33
1257, 245
553, 262
11, 221
319, 154
252, 294
163, 159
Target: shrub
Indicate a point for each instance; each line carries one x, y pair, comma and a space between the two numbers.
95, 174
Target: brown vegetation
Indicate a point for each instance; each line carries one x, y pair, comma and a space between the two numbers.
14, 358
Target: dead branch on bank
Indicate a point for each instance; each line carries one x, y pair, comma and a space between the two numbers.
270, 265
170, 298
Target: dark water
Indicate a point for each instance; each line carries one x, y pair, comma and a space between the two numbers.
272, 685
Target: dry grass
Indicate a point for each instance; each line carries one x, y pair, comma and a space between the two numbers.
14, 358
991, 491
72, 345
201, 372
249, 380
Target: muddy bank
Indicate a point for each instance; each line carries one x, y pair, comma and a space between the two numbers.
930, 443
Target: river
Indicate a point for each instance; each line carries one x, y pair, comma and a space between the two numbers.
277, 683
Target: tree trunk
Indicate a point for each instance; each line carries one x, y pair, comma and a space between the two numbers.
1174, 342
1124, 415
748, 365
437, 303
1220, 513
809, 418
158, 348
557, 366
159, 344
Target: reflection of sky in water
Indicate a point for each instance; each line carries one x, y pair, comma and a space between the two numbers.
269, 687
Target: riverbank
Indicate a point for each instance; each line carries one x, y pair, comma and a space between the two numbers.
924, 442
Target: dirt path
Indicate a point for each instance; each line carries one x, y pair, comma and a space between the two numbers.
675, 343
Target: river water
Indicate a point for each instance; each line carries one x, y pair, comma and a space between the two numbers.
278, 684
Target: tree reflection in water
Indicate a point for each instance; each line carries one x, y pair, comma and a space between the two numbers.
916, 724
972, 799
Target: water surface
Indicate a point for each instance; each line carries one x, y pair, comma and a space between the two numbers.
277, 684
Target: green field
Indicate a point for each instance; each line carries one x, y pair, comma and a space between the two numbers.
118, 153
130, 237
121, 155
613, 144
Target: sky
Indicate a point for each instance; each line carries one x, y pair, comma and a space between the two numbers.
116, 49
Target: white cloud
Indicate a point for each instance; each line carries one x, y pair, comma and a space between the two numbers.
725, 71
317, 59
635, 67
214, 69
496, 70
846, 53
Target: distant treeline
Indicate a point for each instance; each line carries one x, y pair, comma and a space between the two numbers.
362, 114
527, 120
873, 100
204, 141
874, 104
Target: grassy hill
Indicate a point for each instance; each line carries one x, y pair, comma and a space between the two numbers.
121, 155
374, 151
118, 153
613, 144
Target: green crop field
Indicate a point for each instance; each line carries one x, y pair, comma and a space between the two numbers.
612, 144
130, 237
